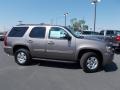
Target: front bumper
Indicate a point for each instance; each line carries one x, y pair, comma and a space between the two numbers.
108, 58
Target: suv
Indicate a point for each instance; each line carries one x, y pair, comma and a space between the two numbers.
26, 42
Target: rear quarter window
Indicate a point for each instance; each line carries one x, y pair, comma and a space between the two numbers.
17, 32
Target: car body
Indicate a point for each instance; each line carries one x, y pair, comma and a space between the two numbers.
57, 43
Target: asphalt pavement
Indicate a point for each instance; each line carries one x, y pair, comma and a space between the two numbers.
46, 75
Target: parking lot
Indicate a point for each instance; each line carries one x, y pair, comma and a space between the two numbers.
45, 75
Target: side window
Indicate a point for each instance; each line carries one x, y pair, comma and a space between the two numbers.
38, 32
57, 33
17, 31
109, 33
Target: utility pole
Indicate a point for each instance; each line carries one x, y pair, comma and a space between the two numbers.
65, 14
94, 2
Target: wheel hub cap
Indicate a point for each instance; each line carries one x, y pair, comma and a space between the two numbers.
92, 63
21, 57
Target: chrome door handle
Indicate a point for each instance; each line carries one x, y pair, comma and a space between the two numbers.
50, 42
30, 41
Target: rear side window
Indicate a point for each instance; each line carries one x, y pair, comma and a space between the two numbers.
38, 32
17, 31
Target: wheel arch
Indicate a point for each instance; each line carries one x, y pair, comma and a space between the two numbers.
16, 47
81, 52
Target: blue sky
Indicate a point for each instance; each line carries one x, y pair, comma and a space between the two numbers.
47, 11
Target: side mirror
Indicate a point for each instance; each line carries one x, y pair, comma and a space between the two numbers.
68, 37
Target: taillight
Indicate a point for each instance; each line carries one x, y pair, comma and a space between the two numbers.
117, 38
5, 39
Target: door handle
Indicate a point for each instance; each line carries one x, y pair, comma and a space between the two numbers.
30, 41
50, 42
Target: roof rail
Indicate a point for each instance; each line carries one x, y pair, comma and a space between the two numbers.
32, 24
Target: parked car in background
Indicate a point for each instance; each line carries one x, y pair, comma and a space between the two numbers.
2, 36
110, 36
86, 33
25, 42
113, 36
110, 32
89, 33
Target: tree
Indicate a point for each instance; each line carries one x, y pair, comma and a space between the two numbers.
85, 27
75, 24
78, 25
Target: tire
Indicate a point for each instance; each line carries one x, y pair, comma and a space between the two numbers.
90, 62
22, 57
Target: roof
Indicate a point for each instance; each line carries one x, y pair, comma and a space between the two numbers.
110, 30
36, 25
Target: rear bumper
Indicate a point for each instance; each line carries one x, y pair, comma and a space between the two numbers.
8, 50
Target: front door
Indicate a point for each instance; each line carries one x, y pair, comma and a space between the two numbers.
58, 46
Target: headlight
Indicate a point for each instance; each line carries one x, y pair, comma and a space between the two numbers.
109, 48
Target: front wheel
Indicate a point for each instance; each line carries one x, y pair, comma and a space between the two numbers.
90, 62
22, 57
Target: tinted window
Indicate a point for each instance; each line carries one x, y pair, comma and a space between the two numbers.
110, 33
118, 32
87, 32
57, 33
17, 31
38, 32
95, 33
102, 33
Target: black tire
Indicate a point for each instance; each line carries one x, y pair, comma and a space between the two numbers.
26, 57
85, 60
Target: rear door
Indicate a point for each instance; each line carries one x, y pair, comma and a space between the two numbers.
37, 41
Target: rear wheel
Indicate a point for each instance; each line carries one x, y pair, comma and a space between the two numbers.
22, 57
90, 62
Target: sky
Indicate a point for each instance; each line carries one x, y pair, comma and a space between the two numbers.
52, 11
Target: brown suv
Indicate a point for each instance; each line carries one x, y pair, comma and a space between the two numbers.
57, 43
